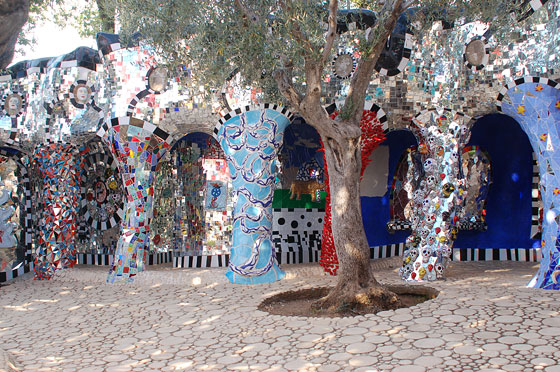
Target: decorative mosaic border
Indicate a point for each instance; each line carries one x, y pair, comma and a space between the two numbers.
523, 80
107, 259
333, 66
73, 98
264, 106
486, 57
219, 260
125, 120
407, 52
535, 201
497, 254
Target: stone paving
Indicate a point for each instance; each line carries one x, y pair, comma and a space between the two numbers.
195, 320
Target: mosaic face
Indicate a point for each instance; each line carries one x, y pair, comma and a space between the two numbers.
82, 93
13, 104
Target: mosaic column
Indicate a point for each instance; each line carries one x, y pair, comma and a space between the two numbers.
251, 140
438, 192
535, 104
59, 193
137, 146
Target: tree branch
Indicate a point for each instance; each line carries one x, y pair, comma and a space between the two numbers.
247, 13
331, 31
358, 87
286, 88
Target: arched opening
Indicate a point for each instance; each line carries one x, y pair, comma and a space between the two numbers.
376, 192
511, 158
193, 211
101, 205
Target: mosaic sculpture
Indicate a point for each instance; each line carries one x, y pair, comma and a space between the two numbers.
438, 194
137, 147
372, 126
251, 140
535, 104
8, 241
60, 193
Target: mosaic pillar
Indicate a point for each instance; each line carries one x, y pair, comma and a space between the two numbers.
535, 104
438, 193
60, 192
137, 146
251, 140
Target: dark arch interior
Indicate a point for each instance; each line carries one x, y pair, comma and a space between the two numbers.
375, 210
509, 198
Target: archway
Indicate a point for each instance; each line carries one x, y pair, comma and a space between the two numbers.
535, 104
510, 154
299, 196
376, 208
193, 211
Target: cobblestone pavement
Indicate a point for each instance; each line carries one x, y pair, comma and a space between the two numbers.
195, 320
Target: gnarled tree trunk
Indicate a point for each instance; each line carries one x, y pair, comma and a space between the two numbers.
357, 286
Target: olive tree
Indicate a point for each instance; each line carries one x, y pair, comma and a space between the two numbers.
285, 47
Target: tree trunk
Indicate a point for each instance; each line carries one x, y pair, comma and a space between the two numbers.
357, 286
13, 15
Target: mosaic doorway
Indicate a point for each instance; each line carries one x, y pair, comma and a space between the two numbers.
193, 215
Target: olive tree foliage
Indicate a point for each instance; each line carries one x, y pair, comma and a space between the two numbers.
286, 48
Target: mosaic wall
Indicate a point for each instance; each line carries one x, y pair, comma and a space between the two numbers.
193, 191
101, 206
10, 213
68, 98
59, 196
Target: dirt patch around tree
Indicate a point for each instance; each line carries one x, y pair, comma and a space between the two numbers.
299, 303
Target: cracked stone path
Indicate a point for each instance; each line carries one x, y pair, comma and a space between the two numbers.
484, 319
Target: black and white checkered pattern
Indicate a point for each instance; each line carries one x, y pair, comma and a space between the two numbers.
523, 80
536, 202
107, 259
201, 261
497, 254
407, 52
398, 225
226, 116
486, 57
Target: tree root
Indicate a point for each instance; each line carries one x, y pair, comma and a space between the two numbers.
374, 298
371, 299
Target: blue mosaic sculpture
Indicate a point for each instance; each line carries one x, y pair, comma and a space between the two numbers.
251, 141
535, 104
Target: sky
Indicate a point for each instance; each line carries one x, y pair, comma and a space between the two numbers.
53, 41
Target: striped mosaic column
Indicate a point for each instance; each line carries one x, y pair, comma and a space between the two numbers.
535, 104
251, 139
137, 147
59, 192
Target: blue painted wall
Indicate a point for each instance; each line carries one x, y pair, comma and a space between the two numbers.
375, 210
509, 199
